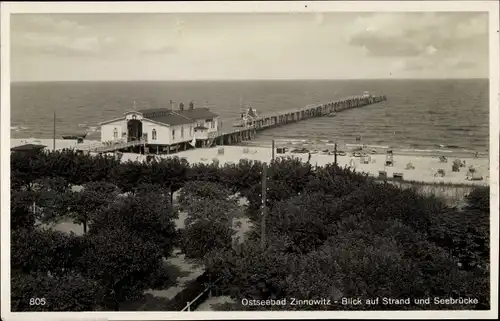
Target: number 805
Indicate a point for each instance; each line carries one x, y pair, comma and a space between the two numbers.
37, 301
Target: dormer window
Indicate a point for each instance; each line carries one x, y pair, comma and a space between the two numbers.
134, 117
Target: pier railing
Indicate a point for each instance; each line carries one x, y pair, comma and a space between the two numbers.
277, 118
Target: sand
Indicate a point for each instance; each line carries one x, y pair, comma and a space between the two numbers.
425, 166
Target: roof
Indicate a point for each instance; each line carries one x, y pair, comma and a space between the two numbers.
197, 113
27, 148
151, 110
171, 117
177, 117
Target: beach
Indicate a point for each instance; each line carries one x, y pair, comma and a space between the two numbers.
424, 166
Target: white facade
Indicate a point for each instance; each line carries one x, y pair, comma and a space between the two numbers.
114, 130
157, 133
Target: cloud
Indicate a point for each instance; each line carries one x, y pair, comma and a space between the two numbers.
55, 36
64, 37
157, 49
45, 23
412, 34
57, 45
444, 64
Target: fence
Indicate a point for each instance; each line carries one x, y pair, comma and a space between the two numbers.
199, 296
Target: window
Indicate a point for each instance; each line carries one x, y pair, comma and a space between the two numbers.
173, 134
153, 134
182, 132
190, 130
115, 133
213, 123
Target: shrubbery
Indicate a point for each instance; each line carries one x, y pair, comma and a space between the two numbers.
331, 233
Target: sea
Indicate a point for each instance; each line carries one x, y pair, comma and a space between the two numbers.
426, 115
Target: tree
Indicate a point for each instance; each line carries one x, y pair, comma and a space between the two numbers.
240, 177
360, 237
206, 200
331, 233
202, 237
68, 293
465, 232
22, 213
127, 176
45, 251
173, 173
25, 168
249, 273
84, 204
121, 262
210, 209
147, 215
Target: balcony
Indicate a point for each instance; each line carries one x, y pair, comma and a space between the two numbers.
201, 132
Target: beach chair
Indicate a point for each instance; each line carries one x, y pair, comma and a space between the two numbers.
220, 151
443, 159
473, 174
457, 163
246, 150
389, 158
410, 166
382, 174
440, 173
397, 176
476, 177
366, 159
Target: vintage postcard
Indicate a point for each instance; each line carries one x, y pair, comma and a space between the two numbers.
211, 160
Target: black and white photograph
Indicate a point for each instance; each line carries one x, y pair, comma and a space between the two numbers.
250, 161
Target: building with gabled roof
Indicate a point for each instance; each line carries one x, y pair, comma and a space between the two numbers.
162, 129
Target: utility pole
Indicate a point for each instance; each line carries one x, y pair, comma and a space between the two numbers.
335, 154
264, 207
54, 136
273, 150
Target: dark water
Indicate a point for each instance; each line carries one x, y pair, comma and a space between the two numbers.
419, 114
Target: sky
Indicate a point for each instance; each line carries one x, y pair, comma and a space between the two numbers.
334, 45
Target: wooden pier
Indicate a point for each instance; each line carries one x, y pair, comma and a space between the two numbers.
250, 129
280, 118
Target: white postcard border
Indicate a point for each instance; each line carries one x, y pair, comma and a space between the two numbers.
270, 6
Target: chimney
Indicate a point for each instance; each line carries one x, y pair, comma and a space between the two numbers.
181, 106
191, 105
